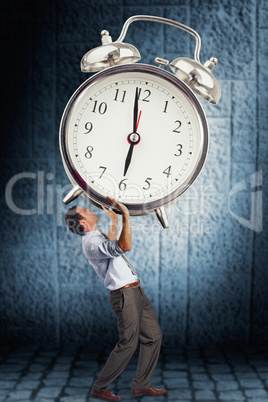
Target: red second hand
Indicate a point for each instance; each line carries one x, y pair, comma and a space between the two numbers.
138, 121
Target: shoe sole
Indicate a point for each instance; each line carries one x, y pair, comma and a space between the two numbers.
147, 394
98, 397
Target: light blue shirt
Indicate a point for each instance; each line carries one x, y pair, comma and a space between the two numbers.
106, 257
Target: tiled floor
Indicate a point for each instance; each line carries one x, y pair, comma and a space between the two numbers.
188, 374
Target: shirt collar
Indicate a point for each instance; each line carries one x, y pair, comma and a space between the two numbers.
92, 233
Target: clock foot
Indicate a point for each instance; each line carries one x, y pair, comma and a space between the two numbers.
72, 195
162, 217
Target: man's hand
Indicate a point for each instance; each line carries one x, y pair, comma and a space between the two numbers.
121, 207
110, 213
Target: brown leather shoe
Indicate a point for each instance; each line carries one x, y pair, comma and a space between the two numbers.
148, 391
105, 395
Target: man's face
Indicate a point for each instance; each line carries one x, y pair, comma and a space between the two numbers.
88, 215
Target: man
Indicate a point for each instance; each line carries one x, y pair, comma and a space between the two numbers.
135, 315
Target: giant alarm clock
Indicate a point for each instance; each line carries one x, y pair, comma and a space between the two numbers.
137, 132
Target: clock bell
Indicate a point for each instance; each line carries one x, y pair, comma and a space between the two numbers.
196, 75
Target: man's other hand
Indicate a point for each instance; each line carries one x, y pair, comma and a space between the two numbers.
110, 213
118, 205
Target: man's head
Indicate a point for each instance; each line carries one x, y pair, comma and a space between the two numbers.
80, 220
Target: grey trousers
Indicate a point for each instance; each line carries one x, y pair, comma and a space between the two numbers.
136, 320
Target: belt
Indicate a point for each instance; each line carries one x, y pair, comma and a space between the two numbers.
130, 285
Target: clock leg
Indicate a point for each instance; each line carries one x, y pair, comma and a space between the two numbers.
72, 195
162, 217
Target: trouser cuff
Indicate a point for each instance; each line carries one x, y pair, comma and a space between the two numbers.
136, 385
99, 389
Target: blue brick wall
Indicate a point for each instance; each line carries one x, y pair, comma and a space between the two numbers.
207, 275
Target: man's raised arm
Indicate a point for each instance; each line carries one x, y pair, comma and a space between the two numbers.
113, 231
125, 238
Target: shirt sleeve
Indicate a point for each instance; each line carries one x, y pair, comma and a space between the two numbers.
110, 249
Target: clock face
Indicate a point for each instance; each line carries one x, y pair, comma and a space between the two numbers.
144, 162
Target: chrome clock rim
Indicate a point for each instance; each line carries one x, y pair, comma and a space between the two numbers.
98, 199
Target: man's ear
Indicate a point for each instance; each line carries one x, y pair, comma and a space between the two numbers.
82, 222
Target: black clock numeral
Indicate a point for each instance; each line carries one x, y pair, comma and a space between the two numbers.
149, 184
165, 108
102, 107
177, 129
122, 185
145, 99
167, 171
179, 149
104, 168
88, 127
123, 97
88, 154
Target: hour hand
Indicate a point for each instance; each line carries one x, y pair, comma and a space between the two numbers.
128, 158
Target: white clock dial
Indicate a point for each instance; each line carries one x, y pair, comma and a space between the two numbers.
140, 163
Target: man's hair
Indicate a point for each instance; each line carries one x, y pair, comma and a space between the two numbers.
72, 219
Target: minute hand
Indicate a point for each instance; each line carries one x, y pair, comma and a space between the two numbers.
135, 112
